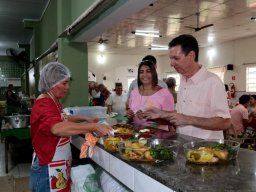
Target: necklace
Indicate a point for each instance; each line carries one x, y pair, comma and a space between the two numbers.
56, 104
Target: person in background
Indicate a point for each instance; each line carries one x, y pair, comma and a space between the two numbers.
134, 83
240, 116
228, 96
51, 130
12, 100
104, 94
202, 109
252, 106
117, 101
252, 113
148, 94
171, 84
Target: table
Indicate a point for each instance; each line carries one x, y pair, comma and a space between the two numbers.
180, 175
18, 133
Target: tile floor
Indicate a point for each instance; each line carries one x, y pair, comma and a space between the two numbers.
19, 164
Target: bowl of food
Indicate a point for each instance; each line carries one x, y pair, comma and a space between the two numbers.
211, 151
111, 143
123, 129
146, 132
152, 150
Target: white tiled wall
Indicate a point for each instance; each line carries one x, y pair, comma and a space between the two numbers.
129, 176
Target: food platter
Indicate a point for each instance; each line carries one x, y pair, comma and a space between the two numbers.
149, 150
211, 152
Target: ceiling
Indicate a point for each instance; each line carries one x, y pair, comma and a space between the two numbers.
231, 19
12, 14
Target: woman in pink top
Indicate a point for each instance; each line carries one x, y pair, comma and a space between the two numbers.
148, 94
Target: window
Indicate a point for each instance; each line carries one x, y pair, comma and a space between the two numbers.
218, 71
251, 78
176, 76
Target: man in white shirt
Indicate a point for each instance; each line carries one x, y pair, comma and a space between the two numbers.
117, 101
202, 109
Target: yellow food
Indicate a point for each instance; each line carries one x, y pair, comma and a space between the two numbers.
148, 155
123, 130
137, 151
144, 130
111, 143
207, 155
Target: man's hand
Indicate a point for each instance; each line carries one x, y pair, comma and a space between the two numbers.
178, 119
152, 113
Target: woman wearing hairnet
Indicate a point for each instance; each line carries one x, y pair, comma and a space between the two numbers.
51, 131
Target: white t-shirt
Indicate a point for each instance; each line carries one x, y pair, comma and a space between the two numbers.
202, 95
118, 103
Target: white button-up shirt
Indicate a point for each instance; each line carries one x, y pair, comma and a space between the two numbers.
202, 95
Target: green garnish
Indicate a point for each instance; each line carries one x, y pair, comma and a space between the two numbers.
224, 146
161, 152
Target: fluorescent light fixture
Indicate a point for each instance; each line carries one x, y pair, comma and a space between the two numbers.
158, 47
147, 33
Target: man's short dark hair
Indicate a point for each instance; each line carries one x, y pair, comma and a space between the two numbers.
150, 58
188, 43
118, 84
244, 99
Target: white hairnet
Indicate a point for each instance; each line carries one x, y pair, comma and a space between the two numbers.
52, 74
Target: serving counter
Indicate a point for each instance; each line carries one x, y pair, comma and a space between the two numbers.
239, 175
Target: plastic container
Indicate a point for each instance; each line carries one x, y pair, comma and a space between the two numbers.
91, 111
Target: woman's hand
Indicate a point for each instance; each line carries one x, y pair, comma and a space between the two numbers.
102, 129
92, 119
140, 114
130, 114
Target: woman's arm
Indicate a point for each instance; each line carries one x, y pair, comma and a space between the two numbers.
66, 128
75, 118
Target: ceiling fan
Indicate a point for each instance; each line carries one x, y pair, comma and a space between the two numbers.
101, 40
197, 28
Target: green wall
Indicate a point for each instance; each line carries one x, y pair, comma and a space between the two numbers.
78, 7
9, 68
48, 27
58, 15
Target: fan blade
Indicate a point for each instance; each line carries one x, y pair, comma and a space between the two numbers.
205, 26
190, 27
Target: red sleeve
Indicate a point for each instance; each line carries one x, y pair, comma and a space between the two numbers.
44, 115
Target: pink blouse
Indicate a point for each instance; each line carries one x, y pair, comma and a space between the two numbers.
162, 99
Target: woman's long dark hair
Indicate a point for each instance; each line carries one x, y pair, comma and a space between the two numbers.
152, 68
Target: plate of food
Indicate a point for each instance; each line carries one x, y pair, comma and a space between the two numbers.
211, 151
123, 129
149, 150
